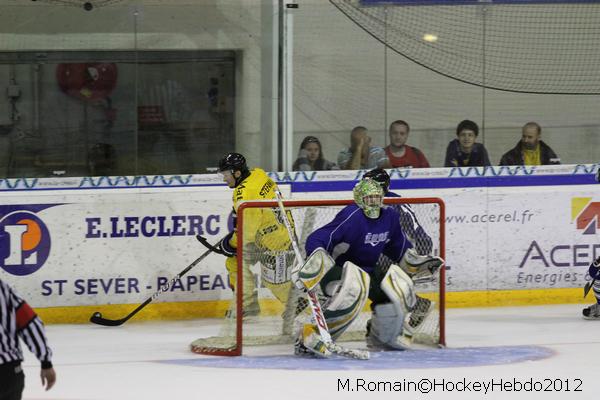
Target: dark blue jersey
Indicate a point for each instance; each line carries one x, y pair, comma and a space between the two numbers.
351, 236
412, 228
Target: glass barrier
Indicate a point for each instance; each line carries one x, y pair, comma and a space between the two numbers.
109, 87
499, 64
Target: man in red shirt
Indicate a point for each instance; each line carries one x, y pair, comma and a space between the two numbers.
401, 154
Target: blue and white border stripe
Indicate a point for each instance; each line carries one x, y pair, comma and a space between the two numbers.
337, 180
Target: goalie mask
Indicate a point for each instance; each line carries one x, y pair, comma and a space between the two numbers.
368, 195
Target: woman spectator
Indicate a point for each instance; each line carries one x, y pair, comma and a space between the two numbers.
463, 151
310, 157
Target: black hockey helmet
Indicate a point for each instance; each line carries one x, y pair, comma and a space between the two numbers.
381, 176
233, 162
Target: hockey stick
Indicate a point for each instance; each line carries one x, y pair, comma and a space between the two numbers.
313, 300
587, 287
97, 317
207, 244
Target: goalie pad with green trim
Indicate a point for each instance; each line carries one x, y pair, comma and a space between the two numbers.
387, 324
348, 299
308, 275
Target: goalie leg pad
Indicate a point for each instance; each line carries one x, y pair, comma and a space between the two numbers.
387, 323
309, 274
348, 299
400, 289
344, 304
421, 268
385, 326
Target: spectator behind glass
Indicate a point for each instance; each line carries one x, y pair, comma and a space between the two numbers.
530, 150
360, 154
401, 154
310, 157
463, 151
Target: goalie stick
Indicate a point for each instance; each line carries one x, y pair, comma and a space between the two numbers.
97, 317
313, 300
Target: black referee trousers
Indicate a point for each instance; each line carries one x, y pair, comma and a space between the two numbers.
12, 381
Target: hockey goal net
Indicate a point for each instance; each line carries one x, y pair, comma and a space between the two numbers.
267, 310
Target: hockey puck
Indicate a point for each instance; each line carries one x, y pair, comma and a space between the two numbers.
97, 315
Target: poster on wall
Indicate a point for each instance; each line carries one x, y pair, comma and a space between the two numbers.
506, 238
116, 245
113, 246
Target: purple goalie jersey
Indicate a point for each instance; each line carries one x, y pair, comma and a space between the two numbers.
351, 236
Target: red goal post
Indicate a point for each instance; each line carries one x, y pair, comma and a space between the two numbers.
278, 315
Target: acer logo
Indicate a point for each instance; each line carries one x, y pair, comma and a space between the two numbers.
586, 214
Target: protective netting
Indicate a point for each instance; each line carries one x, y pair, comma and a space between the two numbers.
85, 4
273, 311
549, 48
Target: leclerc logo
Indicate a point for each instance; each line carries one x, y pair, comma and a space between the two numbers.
24, 239
586, 214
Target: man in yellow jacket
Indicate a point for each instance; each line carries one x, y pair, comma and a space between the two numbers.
265, 237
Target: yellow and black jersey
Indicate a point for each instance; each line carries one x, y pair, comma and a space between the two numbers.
262, 226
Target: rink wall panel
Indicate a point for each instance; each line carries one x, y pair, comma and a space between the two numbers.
72, 246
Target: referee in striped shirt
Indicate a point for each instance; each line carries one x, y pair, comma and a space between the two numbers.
17, 319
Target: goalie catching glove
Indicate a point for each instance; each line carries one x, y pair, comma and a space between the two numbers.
421, 269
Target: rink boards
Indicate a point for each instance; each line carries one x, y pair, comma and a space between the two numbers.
72, 246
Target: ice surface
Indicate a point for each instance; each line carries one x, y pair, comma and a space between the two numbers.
551, 345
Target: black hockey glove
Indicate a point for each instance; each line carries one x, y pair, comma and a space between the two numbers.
225, 248
222, 247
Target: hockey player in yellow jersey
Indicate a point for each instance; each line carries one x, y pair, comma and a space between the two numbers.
265, 237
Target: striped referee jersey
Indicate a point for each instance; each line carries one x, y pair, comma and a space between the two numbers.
17, 319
